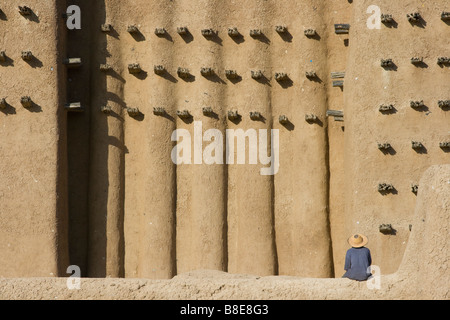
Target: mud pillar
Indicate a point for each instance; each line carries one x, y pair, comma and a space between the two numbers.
251, 246
33, 170
301, 186
201, 185
150, 174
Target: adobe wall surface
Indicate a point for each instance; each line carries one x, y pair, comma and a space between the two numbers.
100, 190
420, 276
33, 192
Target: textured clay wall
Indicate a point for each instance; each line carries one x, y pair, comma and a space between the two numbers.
150, 218
367, 86
122, 205
33, 192
421, 276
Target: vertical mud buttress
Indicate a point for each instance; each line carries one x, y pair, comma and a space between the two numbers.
201, 187
251, 246
33, 166
150, 189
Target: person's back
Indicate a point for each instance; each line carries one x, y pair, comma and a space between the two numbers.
357, 259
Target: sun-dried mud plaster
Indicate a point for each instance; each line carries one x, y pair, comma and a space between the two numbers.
89, 128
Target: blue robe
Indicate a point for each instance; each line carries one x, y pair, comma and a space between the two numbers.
357, 262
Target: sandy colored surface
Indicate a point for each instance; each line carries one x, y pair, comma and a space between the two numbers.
367, 86
423, 276
100, 191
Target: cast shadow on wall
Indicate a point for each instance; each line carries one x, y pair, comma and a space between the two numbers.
7, 62
3, 16
8, 109
186, 35
166, 75
29, 14
34, 62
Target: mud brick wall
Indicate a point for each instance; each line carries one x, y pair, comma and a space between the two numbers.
96, 187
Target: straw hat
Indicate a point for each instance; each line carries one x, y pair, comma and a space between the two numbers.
358, 240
